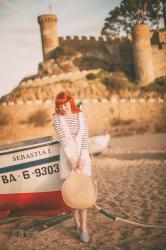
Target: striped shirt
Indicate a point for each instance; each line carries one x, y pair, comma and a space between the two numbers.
73, 125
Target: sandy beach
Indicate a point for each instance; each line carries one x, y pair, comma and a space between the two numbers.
134, 170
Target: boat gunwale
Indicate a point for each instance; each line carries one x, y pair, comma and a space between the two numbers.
28, 147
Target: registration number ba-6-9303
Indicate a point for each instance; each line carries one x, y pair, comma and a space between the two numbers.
27, 174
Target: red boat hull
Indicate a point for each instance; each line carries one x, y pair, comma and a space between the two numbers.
33, 204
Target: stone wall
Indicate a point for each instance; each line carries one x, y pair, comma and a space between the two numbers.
159, 60
114, 51
89, 46
118, 51
71, 76
32, 119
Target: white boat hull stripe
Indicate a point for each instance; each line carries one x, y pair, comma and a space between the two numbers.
29, 164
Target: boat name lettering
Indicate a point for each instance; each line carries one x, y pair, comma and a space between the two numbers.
31, 155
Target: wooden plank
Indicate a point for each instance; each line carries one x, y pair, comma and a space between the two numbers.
8, 220
47, 226
17, 232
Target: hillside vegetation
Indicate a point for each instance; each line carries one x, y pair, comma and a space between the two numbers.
100, 81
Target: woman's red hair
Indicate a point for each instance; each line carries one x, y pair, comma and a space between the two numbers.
61, 99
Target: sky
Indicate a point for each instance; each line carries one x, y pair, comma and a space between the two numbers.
21, 51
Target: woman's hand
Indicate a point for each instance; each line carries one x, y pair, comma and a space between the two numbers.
81, 164
73, 163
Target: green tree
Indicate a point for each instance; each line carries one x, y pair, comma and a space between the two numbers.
122, 18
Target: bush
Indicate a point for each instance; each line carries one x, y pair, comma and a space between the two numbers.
39, 118
58, 52
158, 85
119, 122
161, 81
115, 67
100, 75
103, 74
91, 62
4, 119
90, 76
117, 80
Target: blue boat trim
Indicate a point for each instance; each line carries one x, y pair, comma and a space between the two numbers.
29, 164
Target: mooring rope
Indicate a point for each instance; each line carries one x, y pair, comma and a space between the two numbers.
117, 218
108, 191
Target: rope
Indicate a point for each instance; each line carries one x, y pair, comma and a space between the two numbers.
116, 218
140, 224
107, 189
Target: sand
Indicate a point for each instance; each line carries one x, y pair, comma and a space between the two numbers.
134, 170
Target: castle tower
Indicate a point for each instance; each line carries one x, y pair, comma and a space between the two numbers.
142, 53
48, 34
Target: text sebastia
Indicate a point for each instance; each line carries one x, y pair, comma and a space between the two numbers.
31, 155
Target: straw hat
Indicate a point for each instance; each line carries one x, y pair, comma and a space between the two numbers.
79, 191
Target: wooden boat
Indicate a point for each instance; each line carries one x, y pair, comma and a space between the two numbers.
29, 177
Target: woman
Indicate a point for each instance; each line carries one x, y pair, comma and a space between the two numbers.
72, 130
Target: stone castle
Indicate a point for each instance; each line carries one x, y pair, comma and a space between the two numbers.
144, 52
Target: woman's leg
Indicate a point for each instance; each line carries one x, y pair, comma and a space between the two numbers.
76, 219
83, 213
84, 232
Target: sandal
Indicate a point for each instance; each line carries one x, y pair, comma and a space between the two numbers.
84, 237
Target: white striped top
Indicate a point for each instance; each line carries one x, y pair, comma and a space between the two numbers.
73, 125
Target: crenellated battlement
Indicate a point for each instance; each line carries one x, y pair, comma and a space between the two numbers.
82, 38
113, 100
93, 39
48, 18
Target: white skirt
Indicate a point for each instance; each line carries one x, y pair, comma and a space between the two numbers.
65, 168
